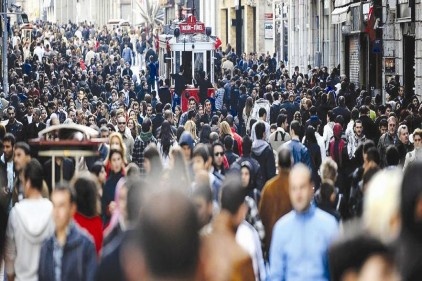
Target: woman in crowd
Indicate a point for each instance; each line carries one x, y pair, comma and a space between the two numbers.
225, 130
133, 126
166, 142
117, 171
314, 153
115, 142
177, 115
153, 166
89, 207
191, 128
247, 113
118, 221
204, 135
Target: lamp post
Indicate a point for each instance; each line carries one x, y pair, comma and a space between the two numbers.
4, 49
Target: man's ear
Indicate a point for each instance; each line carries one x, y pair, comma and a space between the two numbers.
418, 209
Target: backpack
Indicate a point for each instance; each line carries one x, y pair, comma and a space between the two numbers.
258, 104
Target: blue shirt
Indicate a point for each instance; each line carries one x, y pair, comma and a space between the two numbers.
299, 246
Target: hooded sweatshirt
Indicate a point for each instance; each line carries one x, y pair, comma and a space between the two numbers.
30, 223
263, 153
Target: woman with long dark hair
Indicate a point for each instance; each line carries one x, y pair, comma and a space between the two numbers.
247, 113
117, 171
204, 135
314, 152
165, 142
88, 207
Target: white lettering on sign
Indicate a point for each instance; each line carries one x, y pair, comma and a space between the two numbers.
192, 28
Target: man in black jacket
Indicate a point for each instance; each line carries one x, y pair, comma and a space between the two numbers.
263, 153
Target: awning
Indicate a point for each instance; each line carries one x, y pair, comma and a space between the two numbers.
339, 15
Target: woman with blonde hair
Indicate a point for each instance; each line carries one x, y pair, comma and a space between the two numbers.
190, 126
225, 131
115, 141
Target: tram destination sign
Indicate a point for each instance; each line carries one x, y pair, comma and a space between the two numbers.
195, 27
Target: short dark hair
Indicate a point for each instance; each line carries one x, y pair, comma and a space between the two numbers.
228, 142
24, 146
284, 158
232, 194
392, 155
261, 112
372, 154
64, 186
35, 173
246, 145
146, 125
201, 150
9, 137
281, 118
260, 130
295, 126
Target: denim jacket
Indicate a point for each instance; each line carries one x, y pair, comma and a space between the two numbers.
79, 259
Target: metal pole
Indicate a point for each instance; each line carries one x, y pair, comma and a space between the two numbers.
4, 50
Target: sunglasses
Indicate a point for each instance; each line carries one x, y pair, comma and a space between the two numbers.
218, 154
122, 123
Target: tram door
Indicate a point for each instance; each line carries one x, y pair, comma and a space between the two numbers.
187, 64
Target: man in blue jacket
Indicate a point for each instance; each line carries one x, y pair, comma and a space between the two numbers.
299, 152
300, 240
69, 254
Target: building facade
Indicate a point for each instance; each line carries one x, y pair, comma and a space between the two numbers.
247, 25
371, 41
402, 44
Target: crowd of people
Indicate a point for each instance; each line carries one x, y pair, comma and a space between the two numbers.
276, 176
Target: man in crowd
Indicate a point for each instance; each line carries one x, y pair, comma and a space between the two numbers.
30, 223
275, 201
310, 230
69, 254
14, 126
126, 136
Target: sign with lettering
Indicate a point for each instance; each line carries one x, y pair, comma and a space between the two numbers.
197, 27
268, 30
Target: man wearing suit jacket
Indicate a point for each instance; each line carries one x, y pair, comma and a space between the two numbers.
36, 126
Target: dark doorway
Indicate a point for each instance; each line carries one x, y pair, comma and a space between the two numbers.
409, 65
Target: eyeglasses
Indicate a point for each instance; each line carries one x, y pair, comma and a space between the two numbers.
218, 154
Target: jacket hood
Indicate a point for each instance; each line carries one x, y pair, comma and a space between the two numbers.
337, 130
34, 217
146, 136
186, 138
259, 146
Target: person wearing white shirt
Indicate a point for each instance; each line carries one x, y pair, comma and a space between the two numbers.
39, 51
